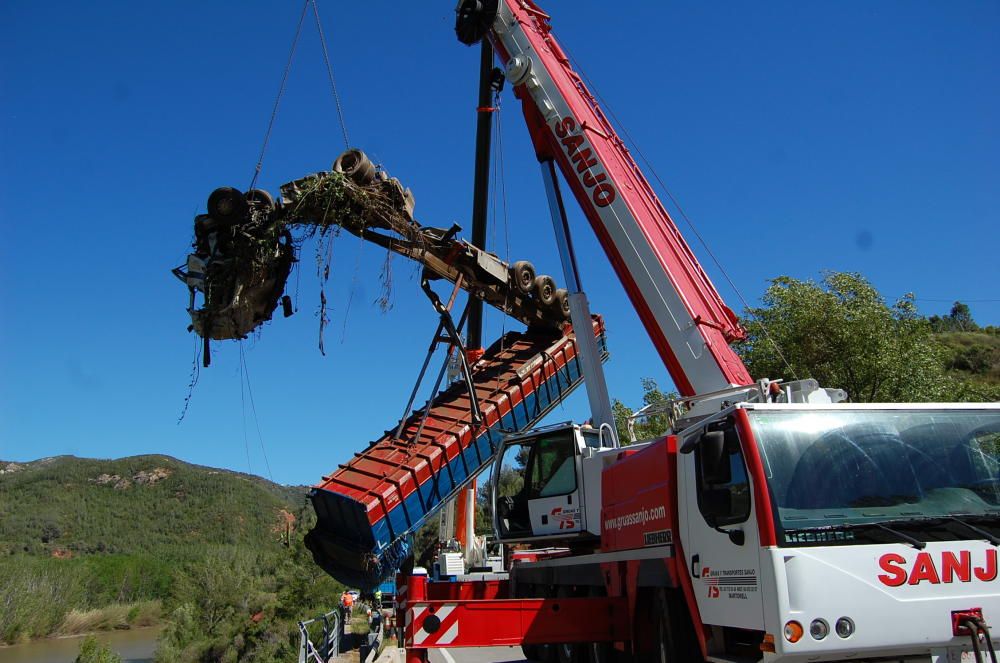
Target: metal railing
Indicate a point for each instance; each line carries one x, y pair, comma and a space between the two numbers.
369, 652
329, 647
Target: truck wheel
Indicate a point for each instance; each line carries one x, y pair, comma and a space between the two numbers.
569, 653
356, 165
545, 290
562, 302
522, 275
227, 204
260, 199
539, 653
674, 642
600, 652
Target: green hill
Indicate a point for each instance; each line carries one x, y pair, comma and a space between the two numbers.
216, 556
67, 506
972, 355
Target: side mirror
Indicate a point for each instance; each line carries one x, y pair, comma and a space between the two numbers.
716, 504
715, 467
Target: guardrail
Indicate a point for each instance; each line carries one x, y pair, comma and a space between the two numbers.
329, 648
369, 651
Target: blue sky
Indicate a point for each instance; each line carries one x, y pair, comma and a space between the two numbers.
800, 137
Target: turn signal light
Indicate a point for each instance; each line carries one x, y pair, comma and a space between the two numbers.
767, 645
793, 631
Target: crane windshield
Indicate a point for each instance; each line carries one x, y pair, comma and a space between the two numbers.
845, 476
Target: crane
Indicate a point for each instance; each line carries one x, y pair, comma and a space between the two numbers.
774, 522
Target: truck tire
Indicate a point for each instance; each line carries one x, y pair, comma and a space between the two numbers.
227, 205
522, 275
539, 653
260, 199
356, 165
545, 290
562, 302
673, 633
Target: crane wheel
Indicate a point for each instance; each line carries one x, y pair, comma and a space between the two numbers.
260, 199
227, 204
545, 290
522, 275
539, 653
562, 302
356, 165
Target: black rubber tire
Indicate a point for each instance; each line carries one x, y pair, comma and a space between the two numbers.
568, 652
227, 204
522, 276
562, 302
601, 652
260, 199
545, 290
674, 634
539, 653
356, 165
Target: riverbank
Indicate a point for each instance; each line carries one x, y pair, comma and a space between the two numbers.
134, 645
77, 623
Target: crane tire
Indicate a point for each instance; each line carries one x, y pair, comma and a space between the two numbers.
522, 275
539, 653
545, 290
674, 636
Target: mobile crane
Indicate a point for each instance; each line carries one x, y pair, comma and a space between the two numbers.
774, 522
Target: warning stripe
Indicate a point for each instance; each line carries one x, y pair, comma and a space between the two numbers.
444, 634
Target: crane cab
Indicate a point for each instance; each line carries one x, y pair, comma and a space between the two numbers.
540, 484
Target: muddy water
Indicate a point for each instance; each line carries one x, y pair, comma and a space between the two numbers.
134, 646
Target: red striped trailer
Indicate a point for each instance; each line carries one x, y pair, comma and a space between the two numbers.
369, 507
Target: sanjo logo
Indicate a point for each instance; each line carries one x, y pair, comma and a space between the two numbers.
949, 567
602, 191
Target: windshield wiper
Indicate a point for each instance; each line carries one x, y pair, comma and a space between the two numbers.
903, 536
913, 541
972, 528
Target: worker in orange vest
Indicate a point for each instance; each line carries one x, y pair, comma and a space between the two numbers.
347, 601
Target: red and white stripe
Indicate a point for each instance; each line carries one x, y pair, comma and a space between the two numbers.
445, 635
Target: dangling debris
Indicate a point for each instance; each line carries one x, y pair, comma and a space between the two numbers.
244, 248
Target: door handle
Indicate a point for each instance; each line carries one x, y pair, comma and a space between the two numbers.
695, 566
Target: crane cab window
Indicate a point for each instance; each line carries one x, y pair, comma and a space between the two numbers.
723, 486
540, 467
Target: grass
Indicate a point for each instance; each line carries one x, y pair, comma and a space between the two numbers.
112, 617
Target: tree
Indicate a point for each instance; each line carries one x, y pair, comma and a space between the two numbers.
960, 319
841, 332
649, 427
92, 651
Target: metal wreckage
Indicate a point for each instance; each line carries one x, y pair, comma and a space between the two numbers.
244, 249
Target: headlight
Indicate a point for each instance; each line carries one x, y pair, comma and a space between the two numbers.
819, 629
845, 627
793, 631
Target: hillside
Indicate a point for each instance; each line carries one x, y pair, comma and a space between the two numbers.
107, 544
972, 355
67, 506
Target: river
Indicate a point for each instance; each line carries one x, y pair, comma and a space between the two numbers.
133, 645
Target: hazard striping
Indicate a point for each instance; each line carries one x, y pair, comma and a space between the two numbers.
446, 622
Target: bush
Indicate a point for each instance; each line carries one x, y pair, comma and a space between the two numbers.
92, 651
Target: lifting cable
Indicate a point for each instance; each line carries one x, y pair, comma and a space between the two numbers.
701, 240
281, 91
284, 81
245, 376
